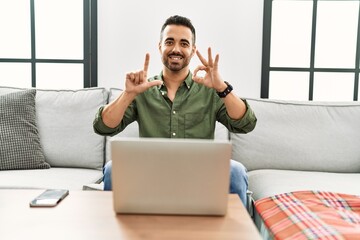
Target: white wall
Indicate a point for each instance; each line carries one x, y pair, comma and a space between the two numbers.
233, 28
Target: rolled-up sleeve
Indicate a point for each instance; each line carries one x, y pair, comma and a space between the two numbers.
100, 127
244, 125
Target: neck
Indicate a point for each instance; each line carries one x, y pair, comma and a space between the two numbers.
174, 79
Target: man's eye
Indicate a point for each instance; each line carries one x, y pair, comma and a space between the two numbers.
168, 43
184, 44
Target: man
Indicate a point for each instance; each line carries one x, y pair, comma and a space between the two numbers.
177, 104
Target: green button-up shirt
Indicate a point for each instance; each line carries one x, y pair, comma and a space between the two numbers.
192, 114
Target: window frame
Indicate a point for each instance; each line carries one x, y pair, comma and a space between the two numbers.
89, 60
266, 68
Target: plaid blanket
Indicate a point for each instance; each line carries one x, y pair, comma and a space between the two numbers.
311, 215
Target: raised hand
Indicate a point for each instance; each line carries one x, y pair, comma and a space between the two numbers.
212, 78
136, 82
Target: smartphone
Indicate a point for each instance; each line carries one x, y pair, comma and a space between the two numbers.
49, 198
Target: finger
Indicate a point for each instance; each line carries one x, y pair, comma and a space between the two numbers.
195, 77
198, 79
146, 64
155, 83
131, 76
142, 76
137, 78
216, 61
199, 68
195, 72
128, 77
202, 59
210, 57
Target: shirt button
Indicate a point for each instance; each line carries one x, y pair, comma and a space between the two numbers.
174, 134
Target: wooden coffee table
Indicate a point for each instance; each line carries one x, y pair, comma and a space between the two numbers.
89, 215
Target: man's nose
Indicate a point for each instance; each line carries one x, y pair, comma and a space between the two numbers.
176, 48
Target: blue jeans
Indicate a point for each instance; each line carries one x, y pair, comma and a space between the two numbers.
238, 179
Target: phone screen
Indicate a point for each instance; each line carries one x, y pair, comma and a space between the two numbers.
49, 198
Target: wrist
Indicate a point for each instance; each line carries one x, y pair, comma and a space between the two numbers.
226, 91
221, 88
129, 95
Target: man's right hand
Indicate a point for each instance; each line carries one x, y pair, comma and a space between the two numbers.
136, 82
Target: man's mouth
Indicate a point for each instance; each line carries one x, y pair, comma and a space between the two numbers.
175, 57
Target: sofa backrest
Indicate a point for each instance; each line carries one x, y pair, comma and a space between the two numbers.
311, 136
64, 120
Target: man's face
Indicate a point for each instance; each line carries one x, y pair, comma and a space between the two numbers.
176, 47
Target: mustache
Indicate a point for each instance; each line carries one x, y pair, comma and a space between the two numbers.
172, 54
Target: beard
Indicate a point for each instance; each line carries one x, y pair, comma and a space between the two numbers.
175, 65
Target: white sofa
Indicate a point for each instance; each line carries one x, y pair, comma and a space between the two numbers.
295, 145
74, 151
301, 146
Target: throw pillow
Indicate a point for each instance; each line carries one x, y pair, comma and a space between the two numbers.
19, 139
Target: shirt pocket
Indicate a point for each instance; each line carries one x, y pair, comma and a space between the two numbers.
197, 126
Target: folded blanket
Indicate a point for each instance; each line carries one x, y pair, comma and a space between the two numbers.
311, 215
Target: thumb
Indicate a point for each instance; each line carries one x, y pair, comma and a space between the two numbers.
155, 83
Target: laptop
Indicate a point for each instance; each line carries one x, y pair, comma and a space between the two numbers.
170, 176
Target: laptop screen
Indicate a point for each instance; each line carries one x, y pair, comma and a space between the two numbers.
170, 176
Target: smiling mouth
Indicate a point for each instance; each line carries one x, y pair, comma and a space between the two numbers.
176, 57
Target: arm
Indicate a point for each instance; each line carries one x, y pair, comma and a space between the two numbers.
243, 125
113, 113
135, 83
235, 107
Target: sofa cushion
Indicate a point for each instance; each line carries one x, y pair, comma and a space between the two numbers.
267, 182
65, 126
63, 178
64, 120
309, 136
20, 146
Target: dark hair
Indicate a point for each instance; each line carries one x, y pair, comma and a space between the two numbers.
179, 20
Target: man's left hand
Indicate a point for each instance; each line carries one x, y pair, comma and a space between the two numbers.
212, 78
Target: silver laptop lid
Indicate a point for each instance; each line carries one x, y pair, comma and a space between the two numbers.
170, 176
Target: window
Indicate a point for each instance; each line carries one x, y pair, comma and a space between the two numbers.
48, 43
311, 50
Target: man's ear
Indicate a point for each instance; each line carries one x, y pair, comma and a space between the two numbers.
159, 46
193, 50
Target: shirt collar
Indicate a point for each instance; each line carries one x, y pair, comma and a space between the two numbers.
187, 82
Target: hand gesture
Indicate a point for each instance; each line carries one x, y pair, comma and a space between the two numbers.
212, 77
136, 82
